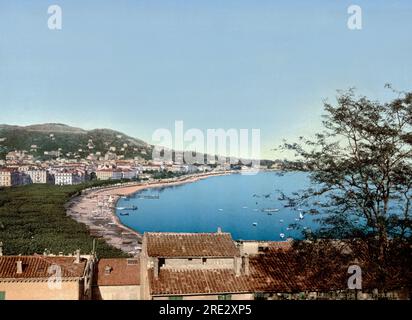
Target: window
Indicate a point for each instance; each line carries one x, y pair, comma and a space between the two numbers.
162, 262
176, 298
2, 295
224, 297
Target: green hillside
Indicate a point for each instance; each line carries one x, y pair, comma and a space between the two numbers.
66, 139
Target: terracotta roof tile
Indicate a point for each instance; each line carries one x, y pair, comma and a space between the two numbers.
172, 282
279, 269
37, 267
122, 272
190, 245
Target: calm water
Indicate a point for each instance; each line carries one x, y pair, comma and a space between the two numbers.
232, 202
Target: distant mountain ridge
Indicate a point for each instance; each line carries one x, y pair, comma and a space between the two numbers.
38, 138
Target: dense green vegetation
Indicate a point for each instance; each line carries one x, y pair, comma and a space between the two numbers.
70, 141
33, 218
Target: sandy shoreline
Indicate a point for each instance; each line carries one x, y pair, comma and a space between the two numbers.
96, 208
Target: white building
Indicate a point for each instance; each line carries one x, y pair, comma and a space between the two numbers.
38, 176
67, 178
115, 174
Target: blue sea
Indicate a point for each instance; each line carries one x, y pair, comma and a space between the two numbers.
236, 203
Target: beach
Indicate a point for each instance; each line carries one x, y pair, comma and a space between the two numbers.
96, 208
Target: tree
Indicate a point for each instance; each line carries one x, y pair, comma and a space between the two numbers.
360, 167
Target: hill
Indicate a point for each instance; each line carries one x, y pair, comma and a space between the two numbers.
69, 141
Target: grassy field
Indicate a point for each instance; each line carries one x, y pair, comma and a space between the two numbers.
33, 218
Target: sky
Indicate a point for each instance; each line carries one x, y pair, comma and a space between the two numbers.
137, 66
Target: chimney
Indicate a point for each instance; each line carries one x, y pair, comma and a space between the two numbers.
156, 268
19, 267
246, 267
77, 260
107, 270
238, 265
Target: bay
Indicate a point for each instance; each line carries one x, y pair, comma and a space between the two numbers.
247, 206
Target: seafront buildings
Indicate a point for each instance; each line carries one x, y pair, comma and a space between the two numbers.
20, 168
187, 266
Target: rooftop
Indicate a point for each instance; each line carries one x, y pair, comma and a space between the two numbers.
279, 269
190, 245
118, 272
37, 266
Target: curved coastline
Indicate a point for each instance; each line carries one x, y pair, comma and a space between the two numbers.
97, 209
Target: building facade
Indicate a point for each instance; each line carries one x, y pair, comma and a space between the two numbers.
9, 177
68, 178
39, 176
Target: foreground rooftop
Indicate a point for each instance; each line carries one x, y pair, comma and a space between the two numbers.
168, 244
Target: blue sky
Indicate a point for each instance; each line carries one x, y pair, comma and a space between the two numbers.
136, 66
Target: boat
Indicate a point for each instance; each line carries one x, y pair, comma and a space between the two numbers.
124, 214
254, 224
270, 210
220, 209
127, 208
148, 197
282, 235
301, 216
